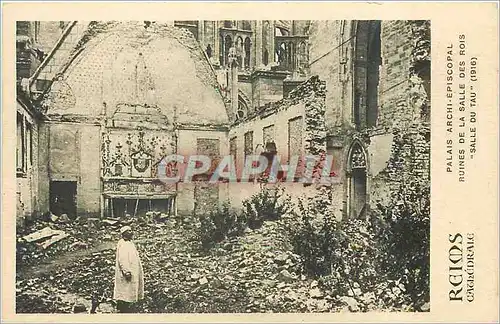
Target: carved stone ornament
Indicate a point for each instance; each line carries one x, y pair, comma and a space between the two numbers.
358, 159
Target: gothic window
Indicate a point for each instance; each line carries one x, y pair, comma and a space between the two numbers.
265, 57
227, 44
247, 52
209, 51
302, 58
357, 184
242, 108
239, 50
366, 73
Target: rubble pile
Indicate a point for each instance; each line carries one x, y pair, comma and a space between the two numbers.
45, 239
253, 273
32, 296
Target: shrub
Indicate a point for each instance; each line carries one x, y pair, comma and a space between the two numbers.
405, 237
314, 234
405, 241
354, 268
219, 224
267, 204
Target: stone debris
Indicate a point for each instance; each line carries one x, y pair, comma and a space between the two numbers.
244, 274
54, 239
286, 276
350, 303
110, 221
44, 233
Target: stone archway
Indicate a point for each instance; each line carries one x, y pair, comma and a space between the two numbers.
357, 182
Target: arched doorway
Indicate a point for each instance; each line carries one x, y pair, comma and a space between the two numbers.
356, 182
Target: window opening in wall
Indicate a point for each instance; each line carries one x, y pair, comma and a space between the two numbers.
233, 150
373, 75
268, 134
29, 138
265, 57
140, 206
21, 144
248, 143
366, 73
209, 51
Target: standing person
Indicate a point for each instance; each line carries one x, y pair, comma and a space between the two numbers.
129, 277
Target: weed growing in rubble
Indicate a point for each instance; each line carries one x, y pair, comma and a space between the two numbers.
269, 204
266, 205
382, 261
218, 225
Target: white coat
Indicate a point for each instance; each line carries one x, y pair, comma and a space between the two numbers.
127, 259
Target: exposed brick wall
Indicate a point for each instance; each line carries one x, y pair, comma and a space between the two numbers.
193, 96
187, 145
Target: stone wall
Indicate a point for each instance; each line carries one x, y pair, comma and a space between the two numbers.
27, 202
71, 152
187, 145
296, 126
332, 45
267, 86
403, 91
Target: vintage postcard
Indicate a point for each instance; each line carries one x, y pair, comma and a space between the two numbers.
316, 162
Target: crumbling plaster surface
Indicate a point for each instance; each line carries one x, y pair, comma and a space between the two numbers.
161, 66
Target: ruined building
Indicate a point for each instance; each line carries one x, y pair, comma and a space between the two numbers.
113, 98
